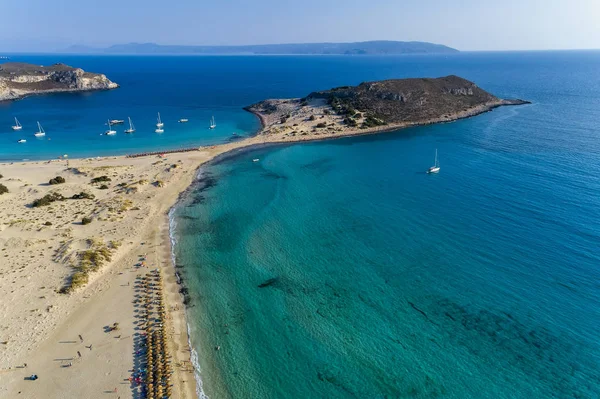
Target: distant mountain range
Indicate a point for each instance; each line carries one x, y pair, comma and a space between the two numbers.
382, 47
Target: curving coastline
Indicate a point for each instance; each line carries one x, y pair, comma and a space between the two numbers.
227, 151
149, 228
184, 297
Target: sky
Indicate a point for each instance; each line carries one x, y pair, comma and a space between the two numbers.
468, 25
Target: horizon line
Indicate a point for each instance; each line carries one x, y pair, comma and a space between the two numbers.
3, 53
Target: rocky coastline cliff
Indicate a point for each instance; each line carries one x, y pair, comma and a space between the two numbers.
18, 80
374, 107
412, 100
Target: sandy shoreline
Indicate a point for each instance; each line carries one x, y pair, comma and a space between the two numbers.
40, 326
38, 329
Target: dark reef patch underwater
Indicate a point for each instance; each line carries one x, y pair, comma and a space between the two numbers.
341, 269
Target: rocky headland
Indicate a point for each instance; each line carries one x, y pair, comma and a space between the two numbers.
19, 80
375, 107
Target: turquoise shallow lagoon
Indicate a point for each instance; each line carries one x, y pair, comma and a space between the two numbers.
479, 282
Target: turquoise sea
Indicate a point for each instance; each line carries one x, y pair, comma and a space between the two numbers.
381, 281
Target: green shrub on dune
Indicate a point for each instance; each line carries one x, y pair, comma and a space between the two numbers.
47, 200
100, 179
83, 195
57, 180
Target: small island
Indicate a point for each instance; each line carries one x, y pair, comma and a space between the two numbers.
18, 80
374, 107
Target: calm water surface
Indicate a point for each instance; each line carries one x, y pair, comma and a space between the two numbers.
480, 282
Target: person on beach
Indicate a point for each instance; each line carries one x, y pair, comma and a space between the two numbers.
78, 353
80, 338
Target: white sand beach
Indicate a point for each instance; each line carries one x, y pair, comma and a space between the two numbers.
62, 337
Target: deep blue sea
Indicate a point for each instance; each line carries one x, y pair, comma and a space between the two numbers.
480, 282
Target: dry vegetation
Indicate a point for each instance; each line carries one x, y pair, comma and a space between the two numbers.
89, 261
65, 236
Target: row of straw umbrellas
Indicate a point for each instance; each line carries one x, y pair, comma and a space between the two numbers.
158, 361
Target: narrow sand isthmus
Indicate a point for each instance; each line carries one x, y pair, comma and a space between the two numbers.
64, 338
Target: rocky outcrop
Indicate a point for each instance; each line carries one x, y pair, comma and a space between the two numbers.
374, 107
412, 100
27, 78
18, 80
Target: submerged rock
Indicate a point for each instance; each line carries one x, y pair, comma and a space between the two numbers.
268, 282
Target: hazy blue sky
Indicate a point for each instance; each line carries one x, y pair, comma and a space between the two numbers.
463, 24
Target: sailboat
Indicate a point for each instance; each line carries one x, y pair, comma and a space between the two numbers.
110, 132
436, 166
213, 124
131, 127
40, 132
159, 125
17, 125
